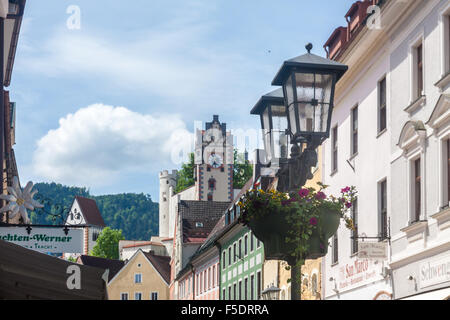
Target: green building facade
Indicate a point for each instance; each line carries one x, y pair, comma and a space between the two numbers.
241, 261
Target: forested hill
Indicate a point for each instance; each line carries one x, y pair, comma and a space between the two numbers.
135, 214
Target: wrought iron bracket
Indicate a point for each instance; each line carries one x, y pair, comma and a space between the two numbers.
294, 172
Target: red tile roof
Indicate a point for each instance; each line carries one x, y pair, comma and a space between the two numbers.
114, 266
142, 244
161, 264
90, 211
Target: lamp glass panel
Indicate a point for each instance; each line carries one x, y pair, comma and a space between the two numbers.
280, 139
324, 84
289, 91
266, 134
292, 116
304, 83
313, 119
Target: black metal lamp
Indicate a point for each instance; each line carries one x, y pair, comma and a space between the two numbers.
308, 85
272, 112
272, 293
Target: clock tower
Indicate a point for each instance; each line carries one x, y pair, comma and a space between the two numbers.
214, 162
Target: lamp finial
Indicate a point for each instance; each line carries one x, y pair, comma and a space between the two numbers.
309, 47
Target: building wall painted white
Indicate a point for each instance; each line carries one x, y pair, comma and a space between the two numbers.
418, 246
413, 247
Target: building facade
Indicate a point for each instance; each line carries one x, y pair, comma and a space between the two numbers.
358, 152
145, 276
420, 157
396, 91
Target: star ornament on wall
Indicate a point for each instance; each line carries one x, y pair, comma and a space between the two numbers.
20, 200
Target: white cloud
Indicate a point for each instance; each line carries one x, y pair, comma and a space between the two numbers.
99, 143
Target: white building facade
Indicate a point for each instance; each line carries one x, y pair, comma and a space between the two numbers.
389, 138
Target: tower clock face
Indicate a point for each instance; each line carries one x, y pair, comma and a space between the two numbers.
215, 161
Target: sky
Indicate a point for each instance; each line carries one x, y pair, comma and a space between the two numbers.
108, 92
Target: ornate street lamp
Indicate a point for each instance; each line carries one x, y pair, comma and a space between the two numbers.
272, 112
308, 88
308, 83
272, 293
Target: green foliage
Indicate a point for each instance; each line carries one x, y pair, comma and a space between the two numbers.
107, 245
242, 170
135, 214
185, 177
72, 259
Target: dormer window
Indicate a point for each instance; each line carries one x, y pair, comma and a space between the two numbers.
199, 224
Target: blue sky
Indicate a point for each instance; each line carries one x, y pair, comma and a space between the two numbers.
106, 105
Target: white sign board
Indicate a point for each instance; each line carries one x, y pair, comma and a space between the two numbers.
372, 250
53, 240
434, 271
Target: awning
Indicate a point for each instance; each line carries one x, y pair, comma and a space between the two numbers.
442, 294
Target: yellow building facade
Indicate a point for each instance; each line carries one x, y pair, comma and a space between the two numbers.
145, 276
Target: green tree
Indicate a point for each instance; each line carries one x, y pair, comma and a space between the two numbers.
242, 170
185, 177
108, 244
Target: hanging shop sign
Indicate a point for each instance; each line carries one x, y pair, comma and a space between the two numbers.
372, 250
45, 240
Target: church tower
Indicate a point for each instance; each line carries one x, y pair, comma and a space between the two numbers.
214, 162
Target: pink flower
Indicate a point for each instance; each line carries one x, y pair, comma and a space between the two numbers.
303, 193
320, 195
348, 204
345, 190
313, 221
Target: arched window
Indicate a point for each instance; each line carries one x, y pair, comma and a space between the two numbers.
314, 284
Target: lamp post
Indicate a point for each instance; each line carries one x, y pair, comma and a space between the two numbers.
298, 115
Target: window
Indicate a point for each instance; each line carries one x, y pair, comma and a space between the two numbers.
314, 284
258, 284
154, 296
382, 105
417, 190
446, 172
138, 296
240, 248
334, 149
252, 245
213, 276
223, 260
383, 210
335, 256
419, 70
246, 289
212, 184
210, 197
137, 278
252, 287
355, 130
204, 281
240, 290
95, 235
355, 223
234, 291
229, 256
234, 252
124, 296
245, 245
229, 293
224, 294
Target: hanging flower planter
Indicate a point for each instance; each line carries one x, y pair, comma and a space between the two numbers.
298, 226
